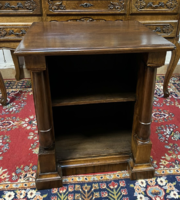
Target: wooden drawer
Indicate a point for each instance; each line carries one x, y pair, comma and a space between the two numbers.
149, 6
86, 7
85, 18
20, 7
163, 28
13, 31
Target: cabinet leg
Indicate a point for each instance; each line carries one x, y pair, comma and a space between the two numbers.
3, 91
140, 166
16, 64
172, 65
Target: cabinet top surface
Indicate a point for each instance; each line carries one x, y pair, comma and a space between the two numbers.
64, 38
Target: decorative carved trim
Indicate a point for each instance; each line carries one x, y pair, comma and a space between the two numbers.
117, 5
160, 4
86, 5
5, 32
171, 4
28, 5
2, 32
56, 6
141, 4
166, 29
86, 19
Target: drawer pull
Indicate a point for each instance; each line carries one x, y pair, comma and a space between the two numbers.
56, 6
86, 5
160, 4
117, 5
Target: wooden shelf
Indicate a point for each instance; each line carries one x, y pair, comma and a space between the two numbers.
93, 99
74, 146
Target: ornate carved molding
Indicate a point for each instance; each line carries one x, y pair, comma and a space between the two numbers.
2, 32
171, 4
56, 6
86, 5
5, 32
86, 19
141, 4
166, 29
160, 4
117, 5
28, 5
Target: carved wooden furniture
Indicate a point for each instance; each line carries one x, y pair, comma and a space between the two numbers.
3, 99
160, 16
90, 117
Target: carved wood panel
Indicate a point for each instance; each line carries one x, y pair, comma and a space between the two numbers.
13, 32
149, 6
163, 28
86, 7
20, 7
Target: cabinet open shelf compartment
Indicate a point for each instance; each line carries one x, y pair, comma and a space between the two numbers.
93, 108
95, 79
93, 130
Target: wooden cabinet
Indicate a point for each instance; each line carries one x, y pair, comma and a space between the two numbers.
22, 7
67, 7
154, 7
90, 117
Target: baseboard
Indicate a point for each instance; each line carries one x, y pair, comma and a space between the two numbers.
162, 70
9, 73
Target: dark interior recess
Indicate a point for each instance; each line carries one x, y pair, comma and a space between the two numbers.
89, 75
93, 129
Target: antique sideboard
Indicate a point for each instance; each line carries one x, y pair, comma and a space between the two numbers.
160, 16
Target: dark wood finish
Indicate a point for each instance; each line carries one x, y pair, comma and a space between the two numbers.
107, 35
161, 17
101, 119
93, 99
3, 99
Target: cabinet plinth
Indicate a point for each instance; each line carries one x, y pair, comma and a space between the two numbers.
93, 94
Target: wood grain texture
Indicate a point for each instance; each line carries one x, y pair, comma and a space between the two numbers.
93, 99
164, 28
73, 39
147, 6
29, 7
87, 7
13, 31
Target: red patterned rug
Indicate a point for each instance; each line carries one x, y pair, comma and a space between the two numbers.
19, 136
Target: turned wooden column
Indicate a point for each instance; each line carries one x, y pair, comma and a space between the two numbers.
41, 92
140, 166
42, 110
43, 107
145, 114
